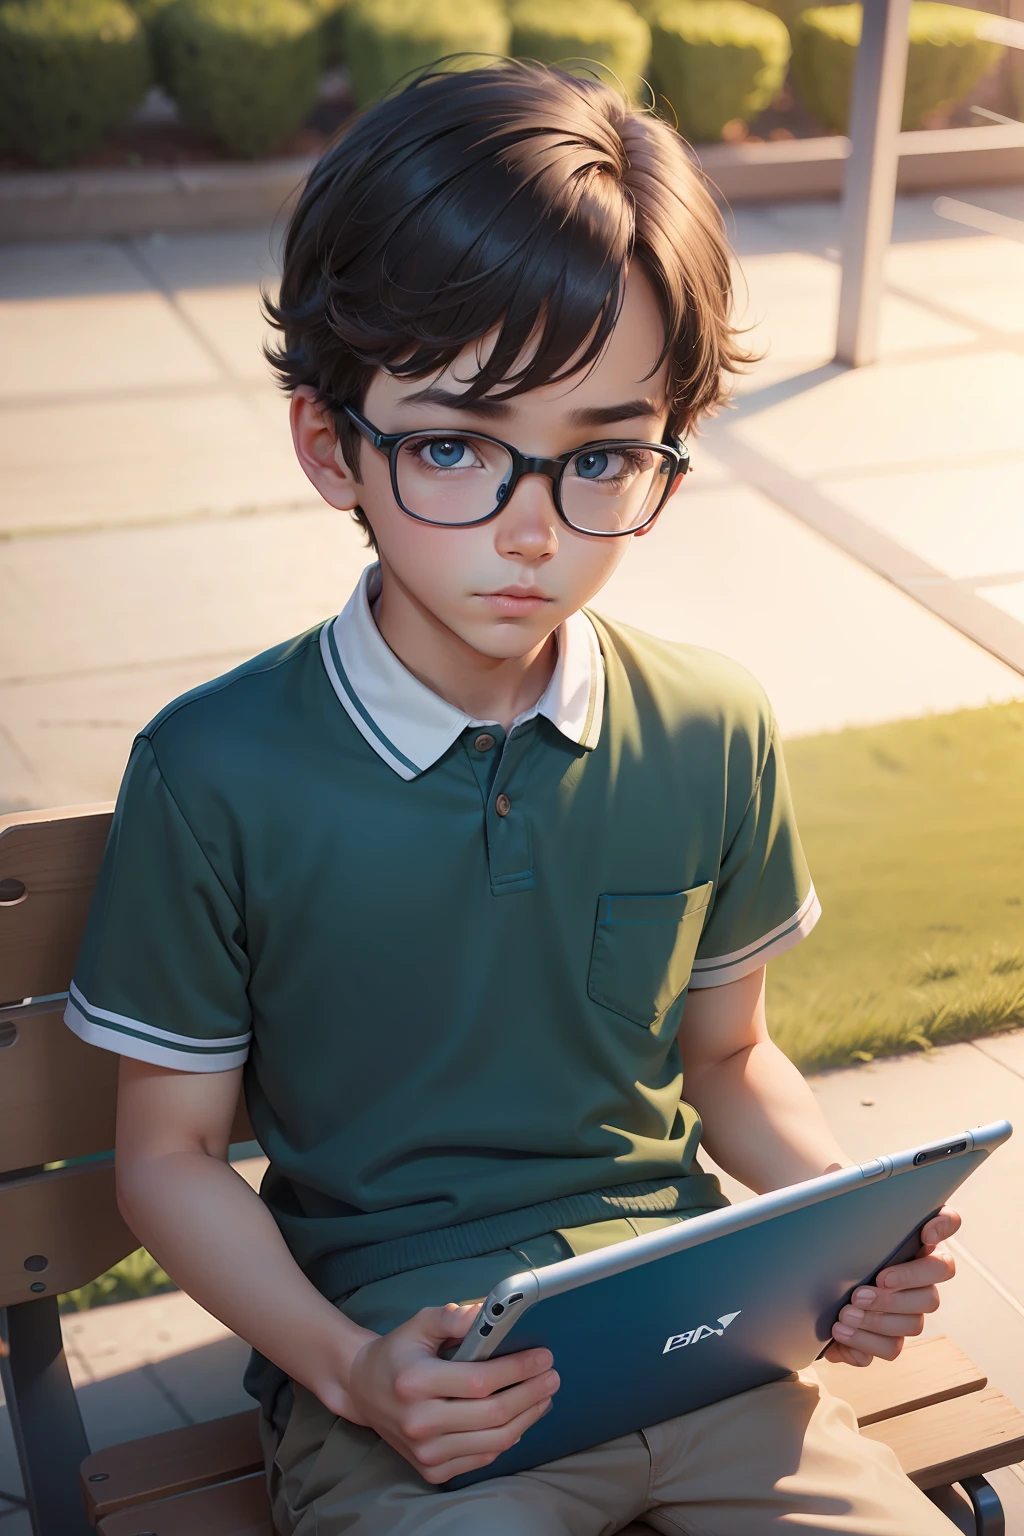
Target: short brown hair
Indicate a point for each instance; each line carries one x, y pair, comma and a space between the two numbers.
507, 198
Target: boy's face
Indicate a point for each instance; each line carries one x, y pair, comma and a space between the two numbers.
501, 587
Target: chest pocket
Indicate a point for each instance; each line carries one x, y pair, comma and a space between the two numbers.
643, 951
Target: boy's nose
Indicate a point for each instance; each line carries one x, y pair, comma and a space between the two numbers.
528, 524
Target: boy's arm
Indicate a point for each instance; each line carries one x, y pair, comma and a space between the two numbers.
763, 1125
216, 1238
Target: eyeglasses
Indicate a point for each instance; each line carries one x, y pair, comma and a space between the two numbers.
461, 479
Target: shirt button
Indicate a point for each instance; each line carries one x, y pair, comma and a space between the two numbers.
503, 805
484, 742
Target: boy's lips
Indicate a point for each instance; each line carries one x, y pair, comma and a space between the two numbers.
515, 599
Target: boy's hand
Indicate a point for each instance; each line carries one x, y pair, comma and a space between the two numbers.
882, 1315
445, 1417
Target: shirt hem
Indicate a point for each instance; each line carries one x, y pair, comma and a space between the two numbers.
339, 1273
112, 1037
719, 973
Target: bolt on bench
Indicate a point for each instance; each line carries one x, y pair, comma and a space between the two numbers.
61, 1228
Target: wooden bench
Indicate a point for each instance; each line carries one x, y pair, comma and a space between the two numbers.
61, 1228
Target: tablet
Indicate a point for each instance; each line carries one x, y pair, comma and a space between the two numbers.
661, 1324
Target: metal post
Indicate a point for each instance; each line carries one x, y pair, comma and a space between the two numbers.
45, 1420
870, 182
989, 1519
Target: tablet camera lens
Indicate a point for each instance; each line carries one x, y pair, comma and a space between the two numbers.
497, 1309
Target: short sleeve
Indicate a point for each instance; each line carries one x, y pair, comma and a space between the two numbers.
764, 901
162, 972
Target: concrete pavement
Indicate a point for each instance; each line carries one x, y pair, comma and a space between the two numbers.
837, 530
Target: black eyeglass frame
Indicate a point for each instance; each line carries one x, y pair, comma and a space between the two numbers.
388, 443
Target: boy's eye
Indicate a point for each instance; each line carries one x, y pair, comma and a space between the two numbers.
606, 464
446, 453
591, 466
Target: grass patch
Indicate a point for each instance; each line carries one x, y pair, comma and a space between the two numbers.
137, 1275
915, 837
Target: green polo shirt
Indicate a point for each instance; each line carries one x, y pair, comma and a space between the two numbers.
453, 960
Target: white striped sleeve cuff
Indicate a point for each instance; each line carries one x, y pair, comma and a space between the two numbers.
716, 970
131, 1037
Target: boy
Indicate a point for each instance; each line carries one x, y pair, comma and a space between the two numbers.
466, 875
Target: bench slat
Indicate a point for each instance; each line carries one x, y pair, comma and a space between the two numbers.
174, 1462
58, 1096
56, 857
949, 1441
161, 1466
232, 1509
67, 1217
927, 1371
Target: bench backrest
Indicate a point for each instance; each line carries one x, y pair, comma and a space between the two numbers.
58, 1096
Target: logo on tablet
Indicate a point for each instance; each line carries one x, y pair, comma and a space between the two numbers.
704, 1331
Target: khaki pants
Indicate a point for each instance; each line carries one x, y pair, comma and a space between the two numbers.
787, 1456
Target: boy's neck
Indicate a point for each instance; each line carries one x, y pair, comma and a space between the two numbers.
484, 687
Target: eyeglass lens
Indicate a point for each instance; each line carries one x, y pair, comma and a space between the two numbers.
605, 488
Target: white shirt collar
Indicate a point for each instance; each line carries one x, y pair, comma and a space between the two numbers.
410, 726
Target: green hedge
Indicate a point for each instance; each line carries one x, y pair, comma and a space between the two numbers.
149, 10
788, 10
945, 60
715, 61
245, 70
574, 32
330, 16
70, 71
387, 39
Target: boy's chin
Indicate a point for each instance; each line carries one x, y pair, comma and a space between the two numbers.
507, 639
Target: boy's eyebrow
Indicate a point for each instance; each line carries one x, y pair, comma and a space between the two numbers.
585, 416
604, 415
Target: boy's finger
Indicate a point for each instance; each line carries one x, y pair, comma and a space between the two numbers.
887, 1348
945, 1223
455, 1378
931, 1270
922, 1298
436, 1324
486, 1443
907, 1324
468, 1415
842, 1354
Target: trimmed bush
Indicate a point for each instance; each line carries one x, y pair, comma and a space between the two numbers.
609, 32
245, 70
387, 39
946, 58
716, 61
149, 10
330, 16
70, 70
788, 10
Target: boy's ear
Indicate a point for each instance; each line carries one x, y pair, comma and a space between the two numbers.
319, 452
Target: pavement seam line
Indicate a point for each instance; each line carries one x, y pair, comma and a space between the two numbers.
149, 1370
989, 627
164, 520
152, 274
1000, 1289
997, 1059
29, 680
